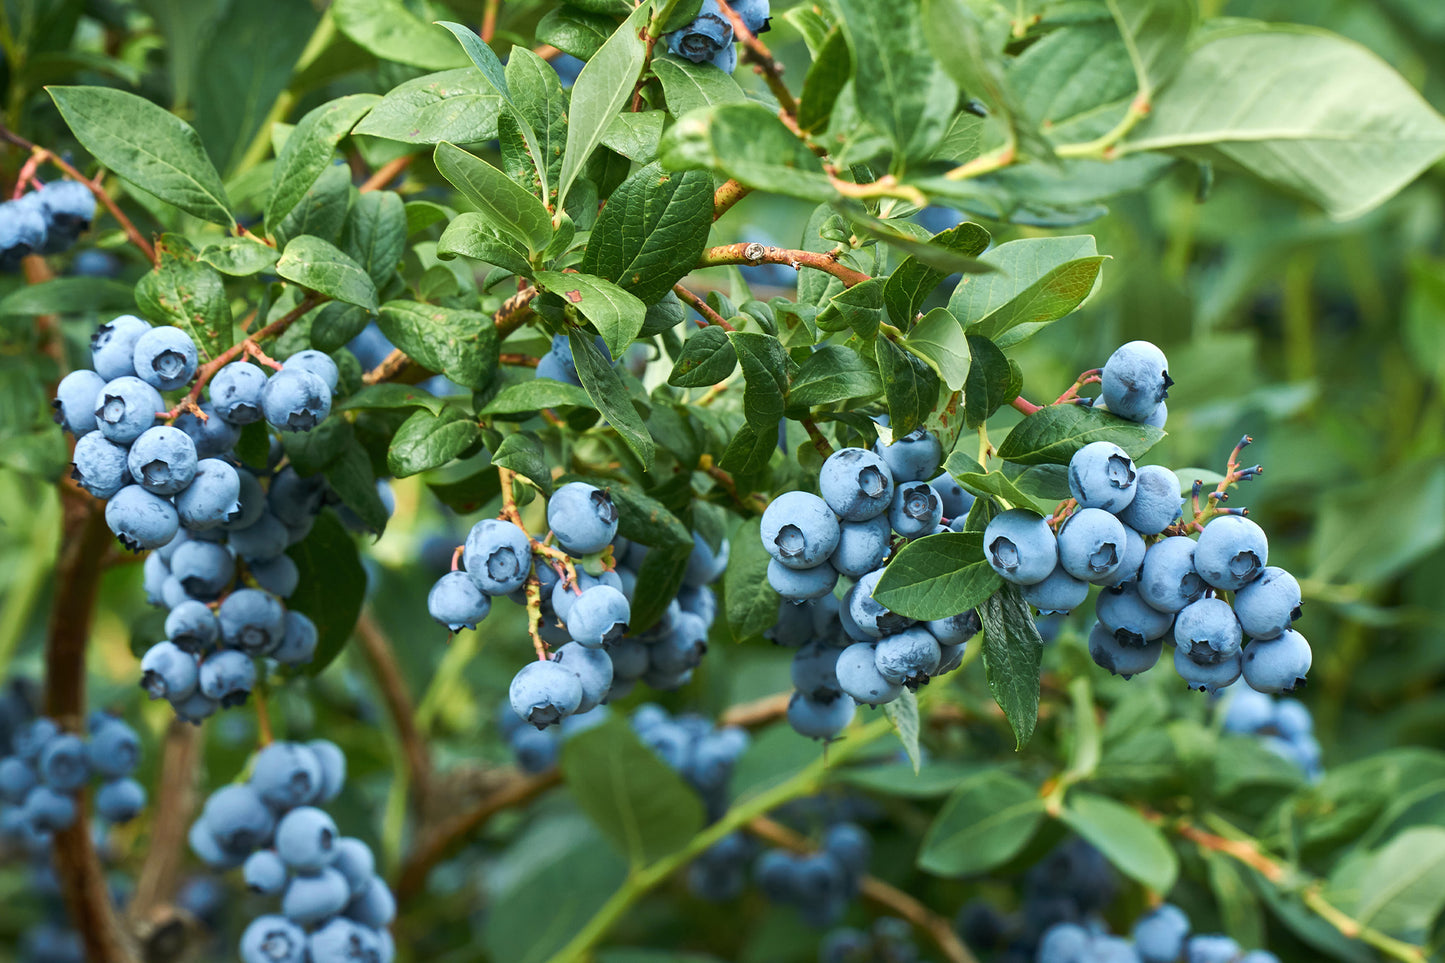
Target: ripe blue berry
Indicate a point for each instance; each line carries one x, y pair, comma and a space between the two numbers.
17, 778
228, 677
168, 672
1064, 943
680, 650
551, 366
295, 400
62, 765
1132, 620
69, 207
333, 768
32, 739
312, 898
1059, 594
1135, 380
1206, 677
814, 670
1159, 935
1020, 546
1132, 564
798, 585
497, 556
856, 484
799, 530
353, 859
163, 460
1207, 631
1232, 552
100, 465
120, 800
1157, 501
306, 839
112, 347
252, 621
583, 518
456, 602
1267, 606
273, 939
286, 775
702, 39
535, 750
344, 941
862, 546
212, 497
125, 408
913, 457
542, 693
564, 595
1212, 949
955, 629
916, 509
251, 501
1168, 581
113, 751
703, 566
264, 539
278, 575
236, 392
1091, 544
75, 401
214, 437
318, 363
870, 616
296, 499
1278, 664
50, 809
204, 568
593, 669
237, 819
1102, 475
957, 500
264, 872
598, 616
820, 718
375, 906
165, 358
908, 658
1118, 658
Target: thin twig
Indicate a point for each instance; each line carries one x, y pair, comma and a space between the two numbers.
758, 713
174, 806
489, 20
1024, 406
819, 442
377, 650
519, 360
386, 173
702, 307
726, 196
758, 53
755, 253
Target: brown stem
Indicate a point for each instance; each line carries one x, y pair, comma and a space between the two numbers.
757, 52
726, 196
489, 20
702, 307
386, 173
519, 360
758, 713
174, 806
1027, 407
376, 648
755, 253
264, 735
876, 891
819, 442
391, 366
449, 836
47, 326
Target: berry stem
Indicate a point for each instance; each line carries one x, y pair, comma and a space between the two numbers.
702, 308
745, 252
819, 442
757, 53
726, 196
264, 735
1020, 404
1090, 377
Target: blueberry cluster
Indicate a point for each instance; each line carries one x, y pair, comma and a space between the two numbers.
857, 651
701, 753
821, 884
889, 940
1161, 936
334, 907
536, 750
709, 38
46, 221
1285, 726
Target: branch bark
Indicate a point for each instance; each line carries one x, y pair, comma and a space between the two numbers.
175, 804
755, 253
387, 673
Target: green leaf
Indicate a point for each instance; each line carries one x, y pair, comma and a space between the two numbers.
1052, 434
1156, 33
937, 576
426, 441
459, 344
859, 307
939, 256
473, 235
707, 358
901, 90
456, 105
909, 383
533, 134
390, 31
1012, 651
995, 483
72, 295
989, 385
987, 822
635, 798
322, 210
903, 713
523, 454
576, 32
832, 374
616, 314
610, 395
635, 135
374, 235
913, 281
751, 603
390, 396
1368, 533
940, 338
601, 89
336, 324
765, 372
323, 267
529, 397
308, 149
829, 73
508, 208
352, 479
688, 86
188, 294
147, 146
331, 587
1039, 281
239, 257
1402, 887
652, 232
747, 142
1134, 845
1339, 125
311, 452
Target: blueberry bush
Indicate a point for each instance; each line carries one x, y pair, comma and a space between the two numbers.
680, 481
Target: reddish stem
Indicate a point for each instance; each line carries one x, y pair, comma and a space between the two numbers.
1027, 407
702, 307
754, 253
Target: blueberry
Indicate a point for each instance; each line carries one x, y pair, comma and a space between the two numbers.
1132, 620
278, 575
629, 658
858, 676
598, 616
312, 898
251, 503
1206, 677
1232, 552
165, 358
955, 629
1168, 581
593, 668
869, 615
850, 844
370, 346
252, 621
845, 945
295, 400
68, 207
1279, 664
344, 941
76, 399
1247, 711
1259, 956
908, 658
264, 873
1160, 934
195, 708
212, 496
265, 539
1112, 949
856, 484
236, 392
295, 499
1292, 719
700, 601
1132, 564
1102, 475
1065, 943
120, 800
125, 408
168, 672
1019, 545
950, 657
814, 670
703, 565
1135, 380
551, 366
286, 775
1207, 631
213, 437
375, 906
820, 718
773, 873
583, 518
498, 556
701, 39
17, 778
238, 819
62, 765
50, 809
862, 546
1127, 660
228, 677
113, 751
100, 465
1060, 593
1212, 949
318, 363
916, 509
1267, 606
913, 457
563, 596
354, 860
306, 839
797, 585
456, 602
112, 347
1091, 544
799, 530
681, 650
1157, 502
542, 693
333, 768
204, 568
